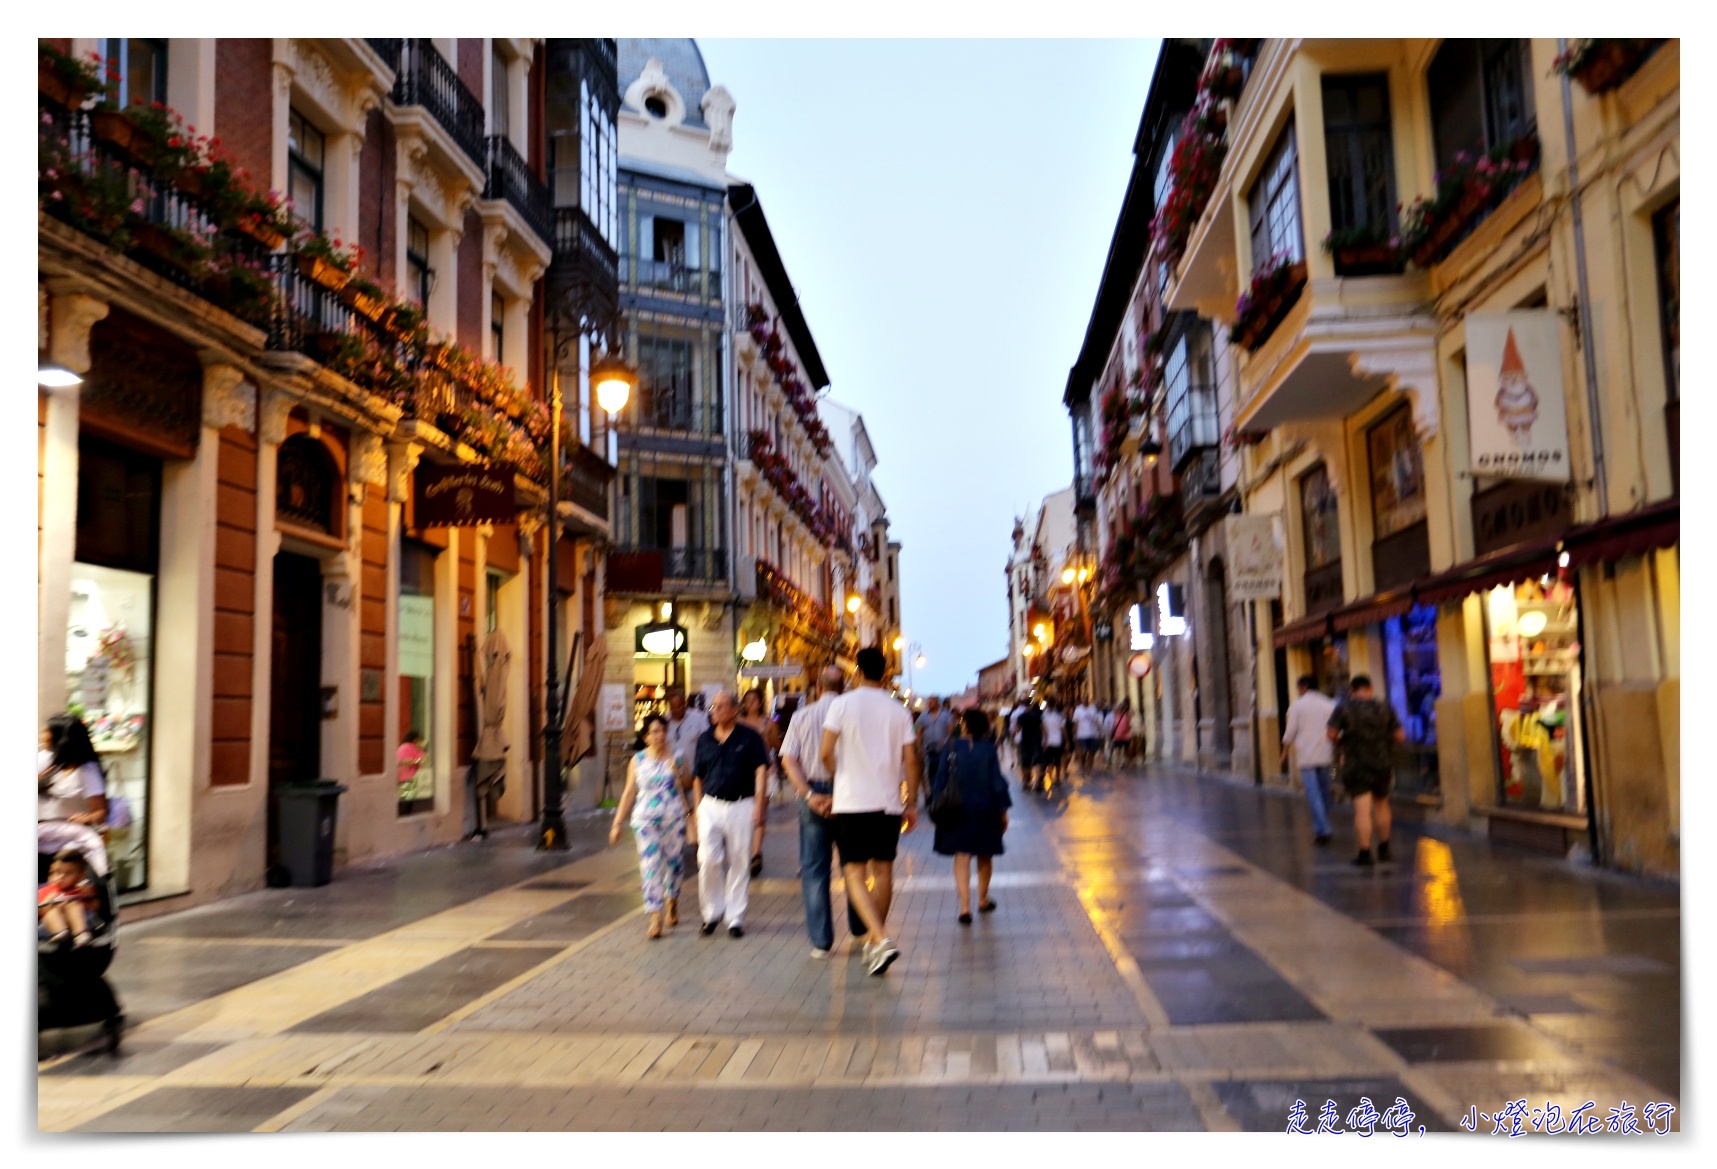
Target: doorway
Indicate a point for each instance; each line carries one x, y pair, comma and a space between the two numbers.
295, 701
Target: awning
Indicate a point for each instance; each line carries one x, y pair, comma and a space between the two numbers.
1632, 534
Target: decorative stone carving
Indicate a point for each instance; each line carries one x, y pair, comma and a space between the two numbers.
283, 74
316, 75
1411, 369
369, 459
530, 523
275, 407
74, 315
402, 460
653, 82
228, 399
718, 106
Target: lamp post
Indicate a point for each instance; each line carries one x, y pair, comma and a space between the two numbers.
612, 380
913, 656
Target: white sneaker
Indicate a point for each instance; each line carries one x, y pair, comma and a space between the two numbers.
881, 957
819, 954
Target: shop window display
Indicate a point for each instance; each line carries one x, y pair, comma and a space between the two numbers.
417, 672
109, 652
1413, 682
1535, 694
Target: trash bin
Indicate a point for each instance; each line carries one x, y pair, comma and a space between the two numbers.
307, 811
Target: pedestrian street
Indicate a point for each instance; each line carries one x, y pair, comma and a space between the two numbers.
1169, 953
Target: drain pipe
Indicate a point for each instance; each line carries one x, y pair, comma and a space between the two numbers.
1593, 406
1599, 845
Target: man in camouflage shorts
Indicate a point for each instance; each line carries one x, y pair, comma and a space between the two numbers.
1365, 731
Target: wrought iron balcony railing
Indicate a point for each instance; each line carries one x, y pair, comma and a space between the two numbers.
581, 255
510, 178
674, 407
424, 78
586, 481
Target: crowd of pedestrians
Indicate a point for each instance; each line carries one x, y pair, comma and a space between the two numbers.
857, 761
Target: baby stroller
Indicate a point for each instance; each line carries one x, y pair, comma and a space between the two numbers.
71, 990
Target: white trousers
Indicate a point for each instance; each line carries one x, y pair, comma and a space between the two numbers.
724, 857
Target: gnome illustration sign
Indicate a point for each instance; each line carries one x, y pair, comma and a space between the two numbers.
1515, 413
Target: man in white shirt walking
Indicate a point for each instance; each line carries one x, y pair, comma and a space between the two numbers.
1306, 730
868, 746
1087, 734
1054, 743
801, 759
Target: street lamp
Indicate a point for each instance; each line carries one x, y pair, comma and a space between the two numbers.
853, 603
612, 379
914, 655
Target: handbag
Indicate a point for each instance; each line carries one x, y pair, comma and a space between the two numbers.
948, 807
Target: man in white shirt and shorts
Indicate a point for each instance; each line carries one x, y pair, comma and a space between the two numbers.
870, 749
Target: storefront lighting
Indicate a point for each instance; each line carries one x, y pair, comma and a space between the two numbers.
853, 603
1027, 650
1067, 576
1532, 624
1040, 631
56, 377
755, 651
1084, 575
1141, 638
667, 609
1562, 561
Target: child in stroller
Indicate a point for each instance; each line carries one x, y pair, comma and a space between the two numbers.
68, 907
71, 990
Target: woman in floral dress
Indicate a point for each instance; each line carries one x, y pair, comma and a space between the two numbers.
655, 801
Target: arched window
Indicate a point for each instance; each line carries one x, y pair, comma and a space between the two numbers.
305, 491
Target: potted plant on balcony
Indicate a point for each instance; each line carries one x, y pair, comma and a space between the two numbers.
265, 218
1194, 168
343, 353
241, 286
1224, 71
1366, 250
326, 262
403, 319
64, 79
1275, 288
1600, 64
1465, 193
363, 296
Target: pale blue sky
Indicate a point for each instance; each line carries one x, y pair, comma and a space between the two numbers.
944, 210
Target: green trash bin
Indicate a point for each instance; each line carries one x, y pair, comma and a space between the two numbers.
307, 811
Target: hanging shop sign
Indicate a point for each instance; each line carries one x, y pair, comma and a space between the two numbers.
615, 707
660, 639
1254, 557
1139, 665
1515, 405
463, 497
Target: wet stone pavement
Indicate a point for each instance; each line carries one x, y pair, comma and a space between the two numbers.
1170, 952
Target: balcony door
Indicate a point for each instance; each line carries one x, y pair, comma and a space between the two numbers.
1480, 96
1360, 153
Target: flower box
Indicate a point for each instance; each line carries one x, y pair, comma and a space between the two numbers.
157, 241
51, 85
1259, 316
116, 130
361, 302
324, 272
1367, 260
1601, 65
260, 232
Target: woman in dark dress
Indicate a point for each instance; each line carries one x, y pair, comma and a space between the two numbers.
971, 760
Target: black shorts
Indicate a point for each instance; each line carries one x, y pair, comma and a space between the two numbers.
866, 836
1049, 757
1361, 782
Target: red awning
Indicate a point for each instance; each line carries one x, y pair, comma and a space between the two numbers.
1506, 567
1301, 631
1371, 610
1632, 534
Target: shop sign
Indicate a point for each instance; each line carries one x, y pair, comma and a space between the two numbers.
463, 497
1139, 638
1171, 610
1103, 631
614, 703
1515, 407
1254, 557
417, 637
1516, 513
660, 639
771, 673
1139, 665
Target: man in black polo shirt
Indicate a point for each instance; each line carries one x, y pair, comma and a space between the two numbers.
728, 778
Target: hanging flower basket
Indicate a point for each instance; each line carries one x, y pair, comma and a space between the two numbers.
319, 271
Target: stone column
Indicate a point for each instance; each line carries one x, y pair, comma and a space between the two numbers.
72, 314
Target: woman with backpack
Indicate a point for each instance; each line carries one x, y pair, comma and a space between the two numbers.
971, 819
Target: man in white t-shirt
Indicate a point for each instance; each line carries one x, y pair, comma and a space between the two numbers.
1087, 733
1054, 742
869, 747
1306, 730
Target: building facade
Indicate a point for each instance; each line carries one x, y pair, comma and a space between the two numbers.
249, 571
1450, 274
